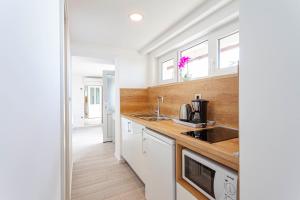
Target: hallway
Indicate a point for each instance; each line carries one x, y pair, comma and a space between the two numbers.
97, 175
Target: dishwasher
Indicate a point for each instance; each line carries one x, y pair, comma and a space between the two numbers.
159, 155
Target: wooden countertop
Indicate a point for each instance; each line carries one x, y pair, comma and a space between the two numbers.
223, 152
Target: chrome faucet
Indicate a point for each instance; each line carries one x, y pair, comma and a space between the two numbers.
159, 99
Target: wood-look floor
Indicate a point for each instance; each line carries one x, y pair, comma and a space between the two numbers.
97, 174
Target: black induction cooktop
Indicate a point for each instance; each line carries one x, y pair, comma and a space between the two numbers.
213, 135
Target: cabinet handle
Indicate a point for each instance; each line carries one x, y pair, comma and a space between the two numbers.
143, 140
129, 130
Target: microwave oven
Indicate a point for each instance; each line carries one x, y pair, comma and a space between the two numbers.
212, 179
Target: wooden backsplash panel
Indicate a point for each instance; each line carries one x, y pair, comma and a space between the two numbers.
134, 100
221, 92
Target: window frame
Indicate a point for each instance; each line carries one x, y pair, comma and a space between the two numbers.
213, 38
218, 69
191, 45
163, 59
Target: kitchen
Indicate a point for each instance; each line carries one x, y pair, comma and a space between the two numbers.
188, 82
158, 166
205, 97
180, 134
177, 98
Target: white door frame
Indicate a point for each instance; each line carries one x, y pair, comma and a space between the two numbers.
107, 113
65, 86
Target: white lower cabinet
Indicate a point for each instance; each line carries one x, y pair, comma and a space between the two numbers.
183, 194
137, 162
152, 157
126, 132
132, 146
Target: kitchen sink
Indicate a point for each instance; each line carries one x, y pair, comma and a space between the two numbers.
151, 117
154, 118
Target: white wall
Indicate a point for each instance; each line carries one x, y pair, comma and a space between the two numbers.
77, 101
30, 144
132, 65
86, 66
269, 100
132, 71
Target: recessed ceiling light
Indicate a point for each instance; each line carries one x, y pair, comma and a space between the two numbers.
136, 17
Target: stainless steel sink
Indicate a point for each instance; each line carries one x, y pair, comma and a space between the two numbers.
151, 117
143, 115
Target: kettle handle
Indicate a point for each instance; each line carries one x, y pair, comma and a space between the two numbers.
191, 116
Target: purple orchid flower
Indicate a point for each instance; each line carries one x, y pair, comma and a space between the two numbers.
183, 61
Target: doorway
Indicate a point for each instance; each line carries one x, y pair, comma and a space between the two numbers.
94, 103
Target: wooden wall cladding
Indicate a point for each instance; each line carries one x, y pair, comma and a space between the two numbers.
134, 100
221, 92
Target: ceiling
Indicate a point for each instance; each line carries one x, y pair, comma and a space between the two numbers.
106, 22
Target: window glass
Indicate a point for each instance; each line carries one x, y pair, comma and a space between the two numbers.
168, 70
229, 51
92, 95
198, 64
97, 95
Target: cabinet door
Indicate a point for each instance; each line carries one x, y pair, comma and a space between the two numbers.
132, 146
136, 144
126, 131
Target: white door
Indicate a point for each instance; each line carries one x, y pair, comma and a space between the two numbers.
94, 102
108, 105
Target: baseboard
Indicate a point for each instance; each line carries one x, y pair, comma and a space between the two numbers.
119, 158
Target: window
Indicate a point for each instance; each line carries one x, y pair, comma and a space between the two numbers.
214, 54
229, 51
198, 65
168, 70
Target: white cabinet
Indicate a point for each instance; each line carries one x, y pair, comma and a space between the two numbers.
132, 146
152, 157
136, 143
126, 131
159, 153
183, 194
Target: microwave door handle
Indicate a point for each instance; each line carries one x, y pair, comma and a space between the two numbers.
219, 187
183, 164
